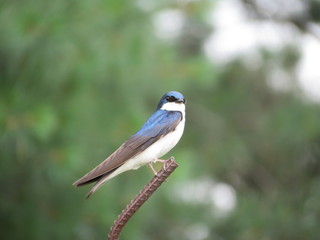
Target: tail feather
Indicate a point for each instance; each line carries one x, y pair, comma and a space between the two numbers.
102, 179
99, 180
80, 183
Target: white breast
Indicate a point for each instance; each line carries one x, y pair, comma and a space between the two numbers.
163, 145
158, 149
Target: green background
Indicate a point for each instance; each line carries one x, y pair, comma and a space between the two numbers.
77, 78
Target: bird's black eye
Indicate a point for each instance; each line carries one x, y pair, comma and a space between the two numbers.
170, 98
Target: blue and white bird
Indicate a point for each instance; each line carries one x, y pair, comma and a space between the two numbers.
158, 135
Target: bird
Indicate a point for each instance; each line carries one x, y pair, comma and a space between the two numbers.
157, 136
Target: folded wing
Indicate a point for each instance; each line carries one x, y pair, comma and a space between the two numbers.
158, 125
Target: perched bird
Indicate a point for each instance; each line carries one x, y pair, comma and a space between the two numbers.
158, 135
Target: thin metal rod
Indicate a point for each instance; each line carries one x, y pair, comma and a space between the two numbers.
168, 167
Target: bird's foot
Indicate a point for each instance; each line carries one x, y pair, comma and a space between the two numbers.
162, 161
163, 167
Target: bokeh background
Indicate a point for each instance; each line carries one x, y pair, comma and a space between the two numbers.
79, 77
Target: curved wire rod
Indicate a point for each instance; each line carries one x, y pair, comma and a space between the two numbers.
168, 167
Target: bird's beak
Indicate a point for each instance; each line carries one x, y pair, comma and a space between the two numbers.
181, 100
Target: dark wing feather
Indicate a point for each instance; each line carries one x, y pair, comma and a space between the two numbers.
157, 126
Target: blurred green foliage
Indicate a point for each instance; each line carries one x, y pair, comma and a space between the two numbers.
78, 77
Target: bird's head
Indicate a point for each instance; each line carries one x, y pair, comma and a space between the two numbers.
172, 101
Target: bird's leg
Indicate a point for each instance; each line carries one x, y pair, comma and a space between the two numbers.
157, 160
153, 170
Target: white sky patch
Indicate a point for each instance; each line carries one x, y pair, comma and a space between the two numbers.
308, 69
226, 14
279, 80
225, 18
221, 197
198, 231
168, 23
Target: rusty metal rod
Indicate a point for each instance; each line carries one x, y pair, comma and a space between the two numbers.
169, 166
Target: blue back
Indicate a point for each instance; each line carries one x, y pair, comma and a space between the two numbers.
159, 122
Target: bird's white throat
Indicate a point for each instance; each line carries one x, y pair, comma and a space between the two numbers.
172, 106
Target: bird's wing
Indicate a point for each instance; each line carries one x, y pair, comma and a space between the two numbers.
158, 125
